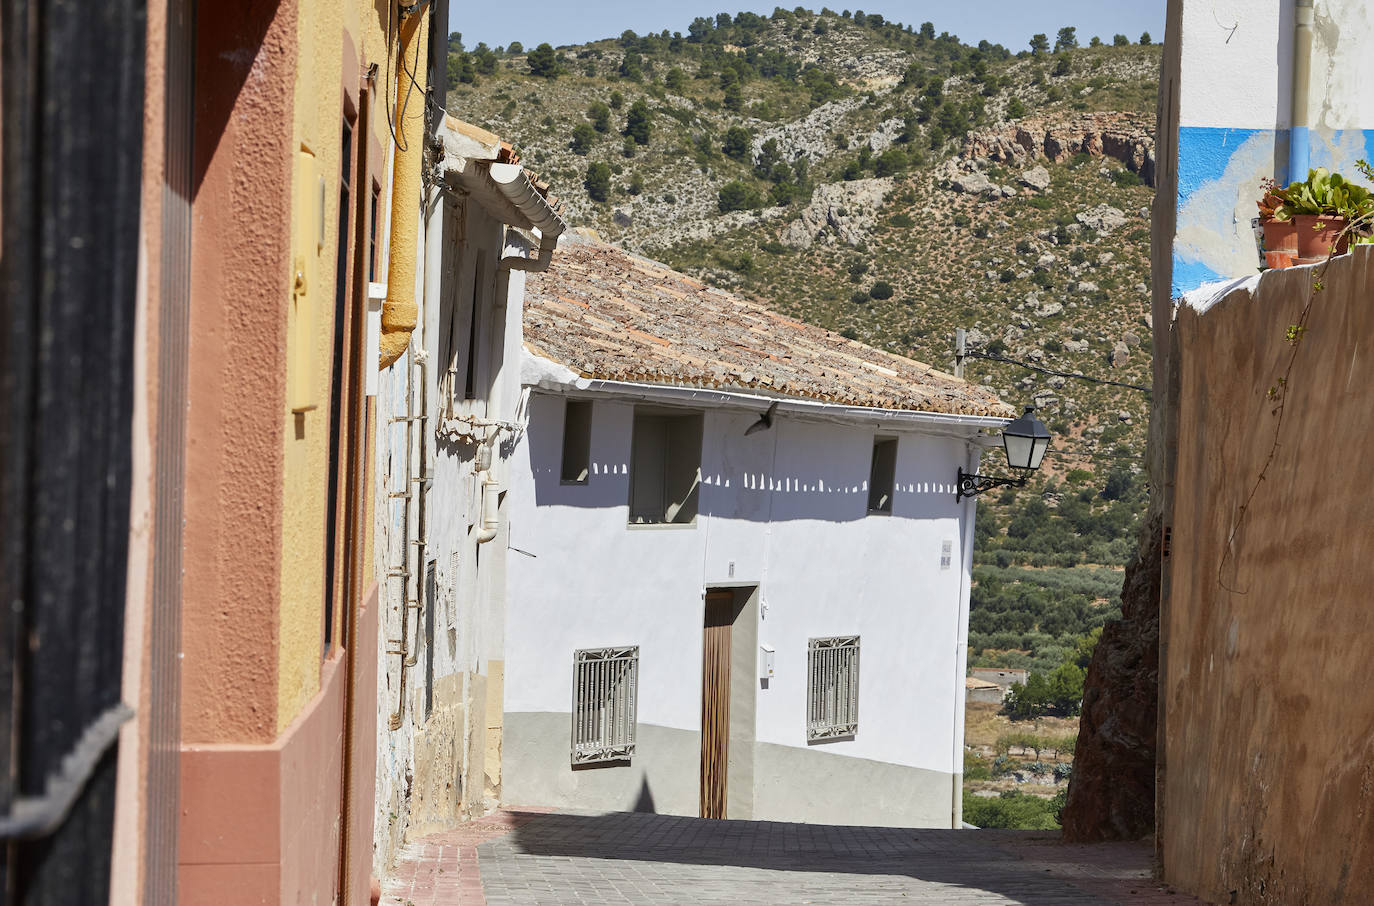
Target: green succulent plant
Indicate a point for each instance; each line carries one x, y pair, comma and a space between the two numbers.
1324, 193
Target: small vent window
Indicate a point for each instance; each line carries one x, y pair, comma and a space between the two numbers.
881, 473
832, 694
605, 697
577, 442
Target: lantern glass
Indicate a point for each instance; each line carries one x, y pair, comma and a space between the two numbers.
1026, 439
1019, 450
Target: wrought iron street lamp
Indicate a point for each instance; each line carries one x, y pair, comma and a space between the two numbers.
1025, 440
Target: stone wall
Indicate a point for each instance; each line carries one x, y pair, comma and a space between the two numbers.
1267, 752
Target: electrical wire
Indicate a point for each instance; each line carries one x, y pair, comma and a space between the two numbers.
1051, 371
391, 121
1115, 457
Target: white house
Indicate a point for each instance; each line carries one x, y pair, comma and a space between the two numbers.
445, 418
737, 573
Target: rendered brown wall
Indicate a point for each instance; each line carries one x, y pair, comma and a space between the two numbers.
244, 79
1269, 797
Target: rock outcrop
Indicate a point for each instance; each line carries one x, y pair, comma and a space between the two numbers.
1037, 178
843, 210
1127, 138
1103, 218
1112, 790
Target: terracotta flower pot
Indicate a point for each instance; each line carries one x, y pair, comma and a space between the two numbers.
1317, 235
1280, 236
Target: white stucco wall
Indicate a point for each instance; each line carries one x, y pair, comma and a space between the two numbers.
1233, 71
431, 770
788, 507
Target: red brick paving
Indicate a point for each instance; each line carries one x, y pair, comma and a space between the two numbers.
442, 870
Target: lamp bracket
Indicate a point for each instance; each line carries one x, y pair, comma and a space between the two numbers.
971, 485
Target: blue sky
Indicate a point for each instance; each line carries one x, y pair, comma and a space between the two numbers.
1006, 22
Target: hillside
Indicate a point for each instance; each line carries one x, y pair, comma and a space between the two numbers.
893, 185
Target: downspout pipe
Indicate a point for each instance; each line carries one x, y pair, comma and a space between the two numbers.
399, 311
967, 514
1299, 139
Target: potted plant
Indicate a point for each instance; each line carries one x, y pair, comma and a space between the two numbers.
1323, 209
1280, 235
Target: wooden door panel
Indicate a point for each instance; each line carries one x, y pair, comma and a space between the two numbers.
715, 702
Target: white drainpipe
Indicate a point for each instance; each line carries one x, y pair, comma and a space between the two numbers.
969, 511
491, 516
1299, 140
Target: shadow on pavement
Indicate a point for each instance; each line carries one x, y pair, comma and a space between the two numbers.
1026, 867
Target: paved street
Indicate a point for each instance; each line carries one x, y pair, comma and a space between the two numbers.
523, 856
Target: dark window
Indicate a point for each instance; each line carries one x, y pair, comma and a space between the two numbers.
881, 473
336, 382
665, 468
577, 442
474, 319
372, 233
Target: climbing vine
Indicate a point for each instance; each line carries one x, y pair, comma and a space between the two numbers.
1277, 393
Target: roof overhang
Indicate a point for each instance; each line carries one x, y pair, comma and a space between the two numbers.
540, 373
472, 162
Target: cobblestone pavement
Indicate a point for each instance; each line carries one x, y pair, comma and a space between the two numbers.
523, 857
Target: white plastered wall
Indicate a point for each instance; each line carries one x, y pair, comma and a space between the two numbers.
787, 509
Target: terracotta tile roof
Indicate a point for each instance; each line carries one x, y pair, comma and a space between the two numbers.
610, 315
971, 682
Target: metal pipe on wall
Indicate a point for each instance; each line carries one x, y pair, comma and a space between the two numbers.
1299, 137
403, 571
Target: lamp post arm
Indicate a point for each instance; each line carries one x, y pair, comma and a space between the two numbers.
971, 485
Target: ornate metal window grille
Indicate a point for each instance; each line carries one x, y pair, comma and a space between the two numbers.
605, 697
832, 693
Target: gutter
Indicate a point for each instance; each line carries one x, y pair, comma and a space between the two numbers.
506, 191
514, 183
543, 374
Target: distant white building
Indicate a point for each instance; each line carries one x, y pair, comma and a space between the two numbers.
709, 614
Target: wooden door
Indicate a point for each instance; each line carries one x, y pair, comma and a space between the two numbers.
715, 702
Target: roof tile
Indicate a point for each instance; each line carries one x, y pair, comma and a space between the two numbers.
611, 315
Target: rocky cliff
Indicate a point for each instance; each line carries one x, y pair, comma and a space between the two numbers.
1112, 792
1126, 137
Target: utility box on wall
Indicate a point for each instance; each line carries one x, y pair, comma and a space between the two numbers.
765, 662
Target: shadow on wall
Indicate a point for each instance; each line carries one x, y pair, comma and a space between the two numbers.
828, 493
745, 495
780, 846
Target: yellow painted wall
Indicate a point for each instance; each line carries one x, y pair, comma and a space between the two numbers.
324, 30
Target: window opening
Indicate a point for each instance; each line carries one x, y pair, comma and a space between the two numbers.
665, 468
832, 693
881, 473
577, 442
605, 698
372, 233
337, 380
470, 375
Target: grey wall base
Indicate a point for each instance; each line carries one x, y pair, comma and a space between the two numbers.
789, 783
819, 787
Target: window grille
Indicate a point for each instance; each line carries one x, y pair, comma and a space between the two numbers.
832, 697
605, 695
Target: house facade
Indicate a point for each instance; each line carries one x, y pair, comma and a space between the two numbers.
737, 572
449, 405
221, 204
